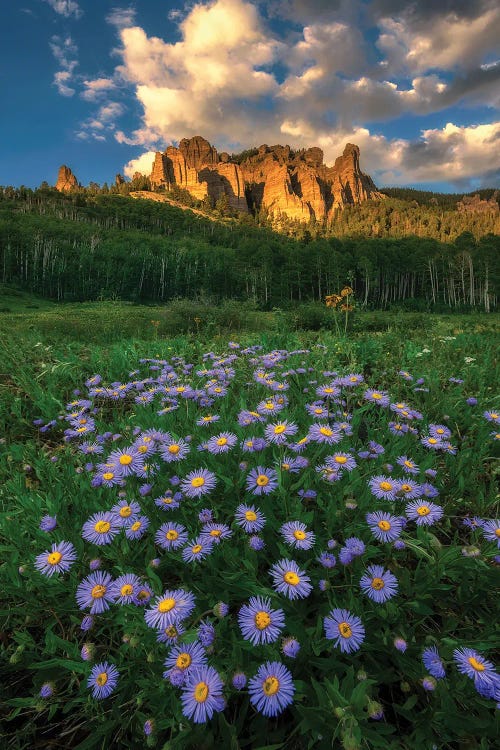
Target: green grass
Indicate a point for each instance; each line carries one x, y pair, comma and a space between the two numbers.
48, 352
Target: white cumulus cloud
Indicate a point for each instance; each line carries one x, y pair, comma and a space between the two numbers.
143, 164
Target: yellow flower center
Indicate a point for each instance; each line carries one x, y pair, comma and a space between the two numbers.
279, 429
409, 464
353, 379
136, 526
102, 527
475, 664
183, 661
494, 415
201, 692
340, 459
166, 605
291, 578
270, 406
101, 679
378, 583
53, 558
215, 532
254, 413
174, 449
262, 620
299, 534
262, 480
98, 592
197, 482
424, 510
326, 431
250, 515
125, 511
108, 475
171, 631
142, 449
271, 686
406, 487
376, 395
126, 459
384, 525
433, 441
303, 440
497, 532
196, 549
344, 629
167, 500
318, 411
222, 441
385, 486
285, 467
126, 589
172, 534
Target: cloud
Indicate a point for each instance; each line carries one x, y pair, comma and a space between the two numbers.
96, 88
102, 124
121, 17
143, 164
65, 51
66, 8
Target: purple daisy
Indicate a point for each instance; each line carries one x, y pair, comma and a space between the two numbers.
222, 443
290, 580
408, 465
101, 528
198, 483
424, 513
48, 523
430, 441
272, 688
384, 526
129, 461
259, 623
96, 592
125, 588
197, 549
57, 560
261, 481
185, 657
345, 629
408, 489
169, 608
125, 512
341, 461
169, 500
174, 450
290, 647
383, 488
137, 528
216, 532
103, 680
323, 433
479, 669
433, 663
278, 432
440, 431
296, 535
202, 694
171, 535
381, 398
379, 584
491, 530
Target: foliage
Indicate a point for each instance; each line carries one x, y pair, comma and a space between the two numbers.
445, 595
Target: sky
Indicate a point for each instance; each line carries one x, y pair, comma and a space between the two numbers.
101, 85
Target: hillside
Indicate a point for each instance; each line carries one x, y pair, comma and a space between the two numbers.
79, 246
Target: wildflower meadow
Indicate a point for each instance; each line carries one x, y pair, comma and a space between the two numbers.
264, 543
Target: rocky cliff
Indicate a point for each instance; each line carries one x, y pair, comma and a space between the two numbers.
275, 178
474, 205
66, 180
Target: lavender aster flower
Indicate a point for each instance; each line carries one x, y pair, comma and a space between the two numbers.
423, 513
429, 684
202, 694
185, 657
206, 633
384, 526
169, 608
261, 481
279, 432
197, 549
259, 623
379, 584
433, 663
103, 680
256, 543
125, 588
138, 528
384, 488
198, 483
47, 690
239, 680
171, 535
400, 644
290, 580
290, 647
249, 518
296, 535
58, 560
96, 592
48, 523
272, 688
491, 530
381, 398
101, 528
345, 629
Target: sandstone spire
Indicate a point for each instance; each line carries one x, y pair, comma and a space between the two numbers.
66, 180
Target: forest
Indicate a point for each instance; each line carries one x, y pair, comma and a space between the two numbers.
91, 245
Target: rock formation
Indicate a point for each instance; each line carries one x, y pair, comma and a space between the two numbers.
473, 204
66, 180
284, 182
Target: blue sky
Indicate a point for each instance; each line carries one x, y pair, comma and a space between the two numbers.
101, 85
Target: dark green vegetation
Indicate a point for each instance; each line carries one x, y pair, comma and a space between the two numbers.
445, 598
86, 246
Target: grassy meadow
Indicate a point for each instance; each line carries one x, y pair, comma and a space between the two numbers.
340, 598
